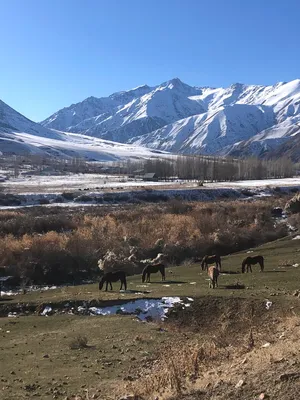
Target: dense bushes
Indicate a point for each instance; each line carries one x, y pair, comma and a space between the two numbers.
64, 246
18, 224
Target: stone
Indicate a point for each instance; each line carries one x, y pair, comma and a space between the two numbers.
239, 384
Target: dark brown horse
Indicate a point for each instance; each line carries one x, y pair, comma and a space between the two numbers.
110, 277
247, 262
152, 269
207, 260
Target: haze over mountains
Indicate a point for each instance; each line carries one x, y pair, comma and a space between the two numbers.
240, 120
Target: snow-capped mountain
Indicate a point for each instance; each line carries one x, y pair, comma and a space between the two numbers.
19, 135
125, 115
176, 117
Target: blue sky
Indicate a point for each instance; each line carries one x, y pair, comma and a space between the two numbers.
58, 52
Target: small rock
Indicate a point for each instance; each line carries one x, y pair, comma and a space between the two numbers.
239, 384
46, 356
266, 345
263, 396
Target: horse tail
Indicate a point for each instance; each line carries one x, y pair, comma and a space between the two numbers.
219, 259
144, 273
101, 283
262, 265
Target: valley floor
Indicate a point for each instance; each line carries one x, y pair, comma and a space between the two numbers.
95, 182
228, 343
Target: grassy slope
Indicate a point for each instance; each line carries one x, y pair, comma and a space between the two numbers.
65, 371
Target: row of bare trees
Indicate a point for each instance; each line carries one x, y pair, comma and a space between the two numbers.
194, 167
215, 168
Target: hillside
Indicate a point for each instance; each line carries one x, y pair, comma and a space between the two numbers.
19, 135
176, 117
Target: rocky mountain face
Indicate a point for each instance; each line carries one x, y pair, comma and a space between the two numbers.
176, 117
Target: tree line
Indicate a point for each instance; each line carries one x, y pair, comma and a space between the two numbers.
207, 168
193, 167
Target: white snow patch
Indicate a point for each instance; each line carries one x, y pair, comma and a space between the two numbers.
156, 309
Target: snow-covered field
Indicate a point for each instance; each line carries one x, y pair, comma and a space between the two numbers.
257, 183
58, 183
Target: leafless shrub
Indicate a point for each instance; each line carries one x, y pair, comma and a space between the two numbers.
79, 342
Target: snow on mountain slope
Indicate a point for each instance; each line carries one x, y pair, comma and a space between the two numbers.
238, 120
177, 117
19, 135
12, 121
73, 145
137, 111
211, 131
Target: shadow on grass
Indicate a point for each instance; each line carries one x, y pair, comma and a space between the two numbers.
272, 272
168, 282
237, 286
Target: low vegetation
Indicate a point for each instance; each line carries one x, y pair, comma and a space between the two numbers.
201, 352
60, 245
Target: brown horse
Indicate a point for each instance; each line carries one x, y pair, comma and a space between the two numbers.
213, 273
152, 269
247, 262
110, 277
207, 260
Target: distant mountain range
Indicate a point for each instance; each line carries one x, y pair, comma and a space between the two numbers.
242, 120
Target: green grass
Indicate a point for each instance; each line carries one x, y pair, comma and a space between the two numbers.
35, 356
279, 276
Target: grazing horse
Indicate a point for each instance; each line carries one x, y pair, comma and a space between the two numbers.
206, 260
252, 261
213, 273
110, 277
152, 269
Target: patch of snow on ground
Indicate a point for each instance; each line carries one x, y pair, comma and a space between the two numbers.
156, 309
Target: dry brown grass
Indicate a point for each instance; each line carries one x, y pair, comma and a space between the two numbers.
78, 240
214, 370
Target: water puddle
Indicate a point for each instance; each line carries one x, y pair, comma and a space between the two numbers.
143, 309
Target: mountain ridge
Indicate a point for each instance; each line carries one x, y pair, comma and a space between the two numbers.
175, 117
211, 120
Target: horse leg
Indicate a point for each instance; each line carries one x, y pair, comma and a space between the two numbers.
106, 286
148, 277
261, 266
125, 284
110, 286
